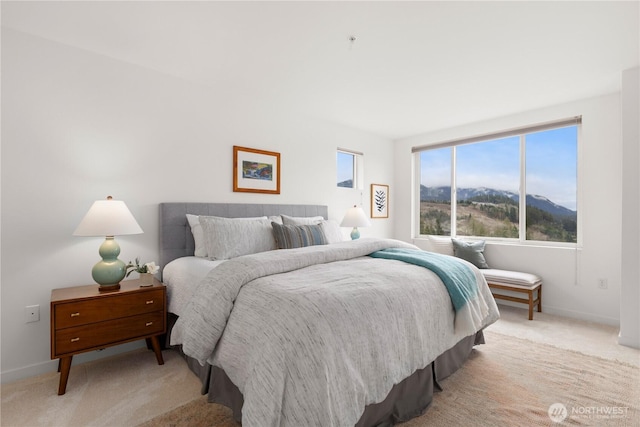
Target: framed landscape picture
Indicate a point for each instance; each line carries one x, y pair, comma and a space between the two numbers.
379, 201
256, 171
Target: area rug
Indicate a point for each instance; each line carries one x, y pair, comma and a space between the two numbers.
507, 382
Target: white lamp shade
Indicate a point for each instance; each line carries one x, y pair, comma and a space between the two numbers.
108, 218
355, 217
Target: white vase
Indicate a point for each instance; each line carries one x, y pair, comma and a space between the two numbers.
146, 279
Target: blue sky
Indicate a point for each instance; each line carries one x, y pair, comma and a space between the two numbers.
551, 165
345, 166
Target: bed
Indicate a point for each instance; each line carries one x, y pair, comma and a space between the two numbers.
336, 333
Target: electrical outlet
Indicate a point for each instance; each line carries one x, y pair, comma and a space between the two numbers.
32, 313
602, 284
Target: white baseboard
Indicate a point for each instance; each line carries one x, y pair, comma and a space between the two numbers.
28, 371
560, 311
589, 317
629, 341
49, 366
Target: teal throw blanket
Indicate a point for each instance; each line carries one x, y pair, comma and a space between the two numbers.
457, 277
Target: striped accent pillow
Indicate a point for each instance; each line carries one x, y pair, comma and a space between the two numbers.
297, 236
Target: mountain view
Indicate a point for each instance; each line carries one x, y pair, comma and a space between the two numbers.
494, 213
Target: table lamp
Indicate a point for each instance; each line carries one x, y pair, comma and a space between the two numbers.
355, 218
108, 218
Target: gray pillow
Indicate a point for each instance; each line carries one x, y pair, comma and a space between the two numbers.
227, 238
298, 236
470, 251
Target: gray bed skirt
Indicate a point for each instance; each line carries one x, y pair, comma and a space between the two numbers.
407, 399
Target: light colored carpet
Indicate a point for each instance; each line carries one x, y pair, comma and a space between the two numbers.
583, 336
507, 382
131, 389
122, 390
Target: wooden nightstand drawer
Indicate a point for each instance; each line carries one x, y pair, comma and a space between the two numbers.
112, 307
102, 334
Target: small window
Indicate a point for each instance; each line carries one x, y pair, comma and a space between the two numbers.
349, 169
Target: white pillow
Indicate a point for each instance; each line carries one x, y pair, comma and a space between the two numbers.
301, 220
440, 244
227, 238
276, 218
198, 235
332, 231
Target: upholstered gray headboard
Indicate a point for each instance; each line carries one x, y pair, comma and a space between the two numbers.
176, 239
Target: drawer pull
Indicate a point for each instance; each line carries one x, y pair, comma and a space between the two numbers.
150, 302
148, 324
75, 339
75, 314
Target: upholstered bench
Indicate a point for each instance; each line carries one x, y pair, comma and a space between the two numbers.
514, 281
498, 280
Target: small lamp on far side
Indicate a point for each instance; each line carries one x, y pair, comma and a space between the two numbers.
355, 217
108, 218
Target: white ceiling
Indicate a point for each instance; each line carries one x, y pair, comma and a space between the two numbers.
414, 66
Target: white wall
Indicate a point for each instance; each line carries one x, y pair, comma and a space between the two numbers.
630, 261
570, 276
77, 127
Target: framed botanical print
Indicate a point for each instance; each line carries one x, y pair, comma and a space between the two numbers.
256, 171
379, 201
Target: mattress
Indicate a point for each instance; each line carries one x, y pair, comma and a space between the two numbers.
181, 277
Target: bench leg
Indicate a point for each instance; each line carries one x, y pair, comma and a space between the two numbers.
540, 299
530, 305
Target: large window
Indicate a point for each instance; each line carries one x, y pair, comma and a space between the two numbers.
486, 178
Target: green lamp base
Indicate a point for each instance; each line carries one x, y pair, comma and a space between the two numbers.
110, 271
355, 233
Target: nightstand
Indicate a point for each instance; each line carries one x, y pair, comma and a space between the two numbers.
85, 319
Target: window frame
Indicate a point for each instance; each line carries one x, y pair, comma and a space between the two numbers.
521, 132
